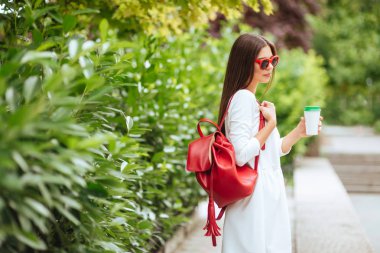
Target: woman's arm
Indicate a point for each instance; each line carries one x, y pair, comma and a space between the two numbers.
264, 133
241, 113
290, 139
296, 134
269, 112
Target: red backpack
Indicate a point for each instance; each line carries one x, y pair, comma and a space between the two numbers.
212, 158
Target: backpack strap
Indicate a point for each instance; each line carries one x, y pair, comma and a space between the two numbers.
211, 225
205, 120
262, 123
225, 112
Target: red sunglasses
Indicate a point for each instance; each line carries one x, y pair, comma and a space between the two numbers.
264, 62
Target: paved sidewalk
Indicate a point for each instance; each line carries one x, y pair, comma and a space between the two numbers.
355, 155
326, 220
196, 242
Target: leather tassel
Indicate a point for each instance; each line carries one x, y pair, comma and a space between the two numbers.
211, 225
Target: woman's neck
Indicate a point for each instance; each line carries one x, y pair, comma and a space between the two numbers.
252, 86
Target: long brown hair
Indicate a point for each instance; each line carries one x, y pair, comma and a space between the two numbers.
240, 67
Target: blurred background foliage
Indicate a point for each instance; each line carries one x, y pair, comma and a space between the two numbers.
347, 35
99, 100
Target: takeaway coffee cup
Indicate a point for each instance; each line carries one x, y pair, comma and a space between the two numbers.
312, 114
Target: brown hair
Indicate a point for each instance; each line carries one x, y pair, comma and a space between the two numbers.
240, 67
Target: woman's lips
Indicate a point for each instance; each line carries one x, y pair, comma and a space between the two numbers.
267, 75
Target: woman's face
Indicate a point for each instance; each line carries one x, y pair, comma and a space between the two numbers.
263, 75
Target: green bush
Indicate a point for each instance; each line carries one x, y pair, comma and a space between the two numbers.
94, 141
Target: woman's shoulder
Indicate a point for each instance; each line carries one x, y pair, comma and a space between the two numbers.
243, 97
246, 93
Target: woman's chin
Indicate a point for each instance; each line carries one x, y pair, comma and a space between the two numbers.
265, 81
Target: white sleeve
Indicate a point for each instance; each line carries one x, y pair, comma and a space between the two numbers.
242, 110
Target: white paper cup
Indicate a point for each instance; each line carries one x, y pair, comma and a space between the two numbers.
312, 114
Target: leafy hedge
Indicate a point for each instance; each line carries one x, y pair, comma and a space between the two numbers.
95, 132
95, 137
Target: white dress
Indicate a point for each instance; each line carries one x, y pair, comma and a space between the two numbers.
260, 222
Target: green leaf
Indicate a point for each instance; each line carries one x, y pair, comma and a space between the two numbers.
45, 193
73, 47
46, 45
145, 224
69, 22
118, 221
37, 206
30, 239
97, 190
36, 55
103, 28
37, 3
8, 68
129, 122
11, 182
37, 37
85, 11
109, 246
20, 161
10, 97
70, 202
123, 165
67, 214
94, 82
29, 87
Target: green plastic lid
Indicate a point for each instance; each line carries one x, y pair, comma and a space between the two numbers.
312, 108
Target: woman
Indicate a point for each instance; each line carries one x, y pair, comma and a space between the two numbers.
258, 223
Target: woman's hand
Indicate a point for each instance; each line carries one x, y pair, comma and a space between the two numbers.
269, 112
301, 127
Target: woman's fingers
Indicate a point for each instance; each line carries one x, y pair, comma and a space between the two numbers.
320, 124
267, 103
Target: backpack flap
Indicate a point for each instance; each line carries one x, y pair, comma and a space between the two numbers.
199, 154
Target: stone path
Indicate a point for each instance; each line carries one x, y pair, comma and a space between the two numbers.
326, 220
354, 152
